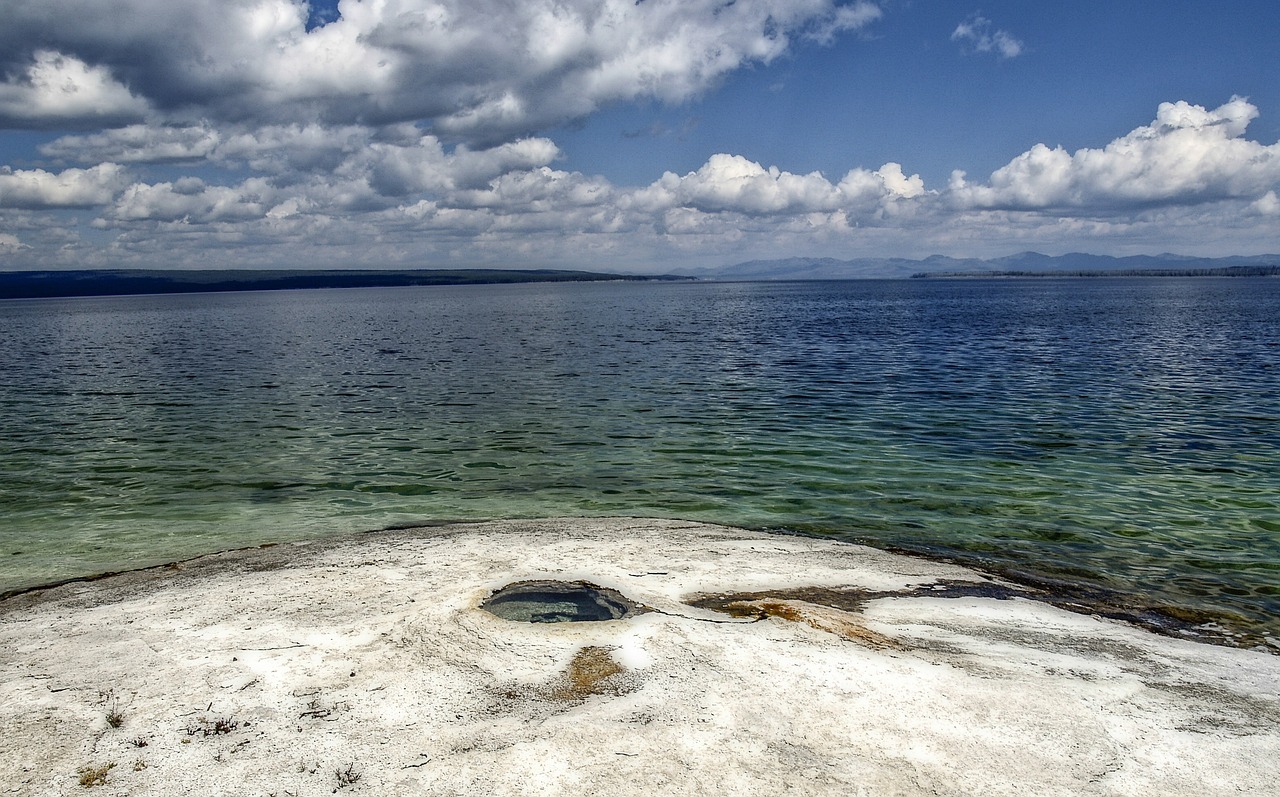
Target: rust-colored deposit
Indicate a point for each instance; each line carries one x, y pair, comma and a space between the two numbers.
591, 672
833, 611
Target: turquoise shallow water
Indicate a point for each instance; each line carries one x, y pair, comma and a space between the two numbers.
1114, 433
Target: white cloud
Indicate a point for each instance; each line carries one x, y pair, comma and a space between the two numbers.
189, 200
349, 195
732, 183
402, 169
538, 190
846, 18
861, 187
1188, 155
310, 148
978, 33
483, 72
10, 244
71, 188
57, 90
137, 143
1266, 205
395, 161
471, 167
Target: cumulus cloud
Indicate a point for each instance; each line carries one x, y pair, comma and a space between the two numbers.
1187, 155
1266, 205
480, 72
731, 182
861, 186
59, 90
190, 200
539, 190
978, 34
137, 143
419, 166
70, 188
10, 243
381, 196
735, 184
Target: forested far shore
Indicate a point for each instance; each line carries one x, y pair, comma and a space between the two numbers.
117, 282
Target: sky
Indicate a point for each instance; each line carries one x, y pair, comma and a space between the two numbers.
631, 135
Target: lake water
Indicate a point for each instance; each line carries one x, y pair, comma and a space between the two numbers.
1117, 434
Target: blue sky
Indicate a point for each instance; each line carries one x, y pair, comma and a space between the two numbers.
631, 136
904, 91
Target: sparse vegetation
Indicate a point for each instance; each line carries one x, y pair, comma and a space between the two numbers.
108, 698
347, 777
216, 727
140, 742
225, 725
95, 776
316, 710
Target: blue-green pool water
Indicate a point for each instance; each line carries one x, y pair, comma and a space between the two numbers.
1118, 433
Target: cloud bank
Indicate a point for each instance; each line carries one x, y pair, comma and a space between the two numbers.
478, 72
369, 196
413, 133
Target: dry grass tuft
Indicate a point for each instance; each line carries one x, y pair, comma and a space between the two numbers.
95, 776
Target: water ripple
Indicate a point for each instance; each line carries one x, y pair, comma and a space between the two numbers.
1120, 433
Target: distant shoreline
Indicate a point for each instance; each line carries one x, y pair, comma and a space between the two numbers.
1225, 271
132, 282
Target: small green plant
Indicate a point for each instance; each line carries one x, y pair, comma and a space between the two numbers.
140, 742
95, 776
347, 777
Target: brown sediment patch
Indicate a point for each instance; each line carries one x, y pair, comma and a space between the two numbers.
829, 610
742, 604
837, 610
591, 672
833, 621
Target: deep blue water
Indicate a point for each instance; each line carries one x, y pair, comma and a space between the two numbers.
1117, 433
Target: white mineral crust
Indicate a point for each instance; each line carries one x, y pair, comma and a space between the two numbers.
365, 666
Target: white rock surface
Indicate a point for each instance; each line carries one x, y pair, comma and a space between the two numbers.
364, 666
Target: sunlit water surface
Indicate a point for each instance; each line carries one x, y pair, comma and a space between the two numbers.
1118, 433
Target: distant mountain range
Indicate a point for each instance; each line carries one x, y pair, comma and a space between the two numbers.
827, 268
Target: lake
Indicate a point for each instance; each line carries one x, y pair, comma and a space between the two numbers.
1117, 436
